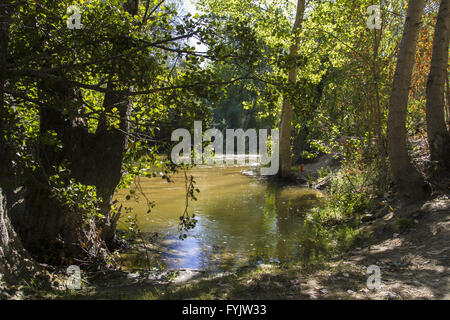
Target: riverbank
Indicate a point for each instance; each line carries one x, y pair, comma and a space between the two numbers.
413, 259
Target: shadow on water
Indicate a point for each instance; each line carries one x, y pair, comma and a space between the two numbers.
241, 221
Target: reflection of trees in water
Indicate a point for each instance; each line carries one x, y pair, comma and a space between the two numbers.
259, 224
282, 224
310, 245
295, 239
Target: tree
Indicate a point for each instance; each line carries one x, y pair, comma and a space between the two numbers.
15, 263
50, 223
81, 111
438, 135
286, 114
407, 179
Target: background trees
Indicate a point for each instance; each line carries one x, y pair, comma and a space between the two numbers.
345, 79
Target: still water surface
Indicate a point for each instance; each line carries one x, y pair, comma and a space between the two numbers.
241, 221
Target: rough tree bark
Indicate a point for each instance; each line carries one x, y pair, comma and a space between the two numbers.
8, 244
286, 113
447, 100
438, 136
408, 181
48, 228
104, 169
15, 264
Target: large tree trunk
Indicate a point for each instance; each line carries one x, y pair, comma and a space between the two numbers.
15, 265
407, 179
438, 136
10, 247
48, 228
286, 114
447, 100
102, 165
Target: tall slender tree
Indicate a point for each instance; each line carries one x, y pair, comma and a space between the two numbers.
407, 179
438, 135
286, 114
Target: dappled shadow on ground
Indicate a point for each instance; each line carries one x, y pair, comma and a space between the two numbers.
415, 263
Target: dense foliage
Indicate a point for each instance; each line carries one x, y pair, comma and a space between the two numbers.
84, 111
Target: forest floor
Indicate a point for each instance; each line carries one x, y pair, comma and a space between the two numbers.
414, 264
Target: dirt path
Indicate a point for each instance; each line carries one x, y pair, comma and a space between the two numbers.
414, 264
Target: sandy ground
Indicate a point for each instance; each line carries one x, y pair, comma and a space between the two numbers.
413, 265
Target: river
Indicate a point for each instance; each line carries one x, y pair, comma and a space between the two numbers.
242, 220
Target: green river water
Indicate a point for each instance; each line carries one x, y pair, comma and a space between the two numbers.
242, 221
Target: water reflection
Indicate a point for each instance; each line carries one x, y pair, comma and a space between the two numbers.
241, 221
